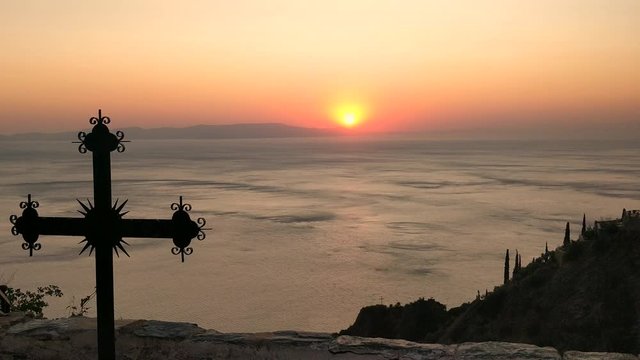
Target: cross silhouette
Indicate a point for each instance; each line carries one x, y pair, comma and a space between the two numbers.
103, 226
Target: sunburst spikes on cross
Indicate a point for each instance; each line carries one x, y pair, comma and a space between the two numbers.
90, 215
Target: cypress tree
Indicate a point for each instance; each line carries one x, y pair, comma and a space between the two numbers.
546, 251
624, 213
515, 265
584, 224
519, 263
567, 235
506, 267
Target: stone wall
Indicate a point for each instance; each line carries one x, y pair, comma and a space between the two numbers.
75, 338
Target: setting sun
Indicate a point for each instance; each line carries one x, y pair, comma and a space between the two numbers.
349, 115
349, 120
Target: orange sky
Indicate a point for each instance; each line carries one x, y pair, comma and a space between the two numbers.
412, 64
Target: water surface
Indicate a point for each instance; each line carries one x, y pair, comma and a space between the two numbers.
307, 231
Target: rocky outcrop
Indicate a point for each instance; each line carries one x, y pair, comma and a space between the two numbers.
75, 338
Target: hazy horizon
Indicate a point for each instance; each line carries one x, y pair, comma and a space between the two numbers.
594, 131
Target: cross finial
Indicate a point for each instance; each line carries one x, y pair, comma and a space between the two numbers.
100, 119
100, 139
29, 203
180, 206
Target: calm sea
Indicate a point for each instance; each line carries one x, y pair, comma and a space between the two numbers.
307, 231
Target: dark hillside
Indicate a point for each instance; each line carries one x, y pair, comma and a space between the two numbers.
584, 296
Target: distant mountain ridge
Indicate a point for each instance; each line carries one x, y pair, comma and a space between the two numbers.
233, 131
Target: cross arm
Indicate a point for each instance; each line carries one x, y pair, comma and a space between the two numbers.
109, 225
177, 227
63, 226
180, 228
30, 225
148, 228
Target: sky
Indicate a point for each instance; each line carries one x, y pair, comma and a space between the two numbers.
372, 65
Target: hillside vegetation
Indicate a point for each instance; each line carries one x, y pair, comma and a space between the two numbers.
584, 296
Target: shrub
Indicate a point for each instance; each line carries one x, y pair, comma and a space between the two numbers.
590, 234
83, 308
574, 251
32, 302
492, 304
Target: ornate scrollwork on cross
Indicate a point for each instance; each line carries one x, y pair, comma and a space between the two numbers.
100, 138
201, 234
81, 148
27, 225
185, 229
100, 119
180, 206
29, 204
120, 137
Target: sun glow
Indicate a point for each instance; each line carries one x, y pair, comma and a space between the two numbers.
349, 119
349, 115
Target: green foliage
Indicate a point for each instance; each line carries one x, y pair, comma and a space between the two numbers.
601, 243
589, 234
492, 304
609, 228
539, 276
32, 302
574, 251
82, 309
459, 310
414, 321
420, 318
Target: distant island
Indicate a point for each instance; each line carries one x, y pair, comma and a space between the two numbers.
584, 295
234, 131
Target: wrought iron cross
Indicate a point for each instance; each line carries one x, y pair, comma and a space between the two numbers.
103, 226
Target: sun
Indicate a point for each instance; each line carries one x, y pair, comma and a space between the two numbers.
349, 115
349, 119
